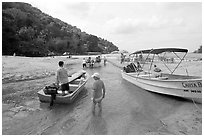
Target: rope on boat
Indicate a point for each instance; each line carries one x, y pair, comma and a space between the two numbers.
196, 105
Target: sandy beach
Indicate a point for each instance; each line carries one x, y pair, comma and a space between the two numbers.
22, 77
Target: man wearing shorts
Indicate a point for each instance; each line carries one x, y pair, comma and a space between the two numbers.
62, 78
98, 92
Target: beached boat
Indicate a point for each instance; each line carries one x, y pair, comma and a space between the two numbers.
76, 82
185, 86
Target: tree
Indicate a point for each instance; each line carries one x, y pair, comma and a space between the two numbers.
29, 32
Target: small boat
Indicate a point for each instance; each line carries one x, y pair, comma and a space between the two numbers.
76, 83
93, 63
185, 86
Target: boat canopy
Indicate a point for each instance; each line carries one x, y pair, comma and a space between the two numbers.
160, 50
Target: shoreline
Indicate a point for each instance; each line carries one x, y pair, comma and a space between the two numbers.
19, 99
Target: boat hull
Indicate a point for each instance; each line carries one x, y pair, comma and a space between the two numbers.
95, 65
76, 86
185, 88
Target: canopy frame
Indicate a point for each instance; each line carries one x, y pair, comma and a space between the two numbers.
159, 51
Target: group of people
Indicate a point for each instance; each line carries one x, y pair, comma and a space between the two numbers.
62, 82
91, 62
137, 68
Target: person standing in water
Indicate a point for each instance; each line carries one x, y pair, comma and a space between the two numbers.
98, 92
84, 63
104, 59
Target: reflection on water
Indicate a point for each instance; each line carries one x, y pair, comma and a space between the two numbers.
97, 125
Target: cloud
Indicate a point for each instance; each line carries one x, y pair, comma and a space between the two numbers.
138, 25
124, 26
77, 9
133, 23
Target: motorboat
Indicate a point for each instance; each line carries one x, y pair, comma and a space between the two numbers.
185, 86
76, 83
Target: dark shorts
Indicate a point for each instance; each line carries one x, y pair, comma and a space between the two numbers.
84, 65
65, 87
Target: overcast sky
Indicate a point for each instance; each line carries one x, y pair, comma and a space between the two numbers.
132, 25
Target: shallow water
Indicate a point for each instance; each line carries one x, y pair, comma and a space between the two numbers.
127, 109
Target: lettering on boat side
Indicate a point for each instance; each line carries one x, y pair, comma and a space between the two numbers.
195, 91
185, 90
191, 84
192, 91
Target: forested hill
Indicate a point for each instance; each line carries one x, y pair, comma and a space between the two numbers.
27, 31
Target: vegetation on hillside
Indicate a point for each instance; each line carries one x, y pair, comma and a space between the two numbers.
29, 32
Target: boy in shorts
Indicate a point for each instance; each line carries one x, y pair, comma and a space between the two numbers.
98, 92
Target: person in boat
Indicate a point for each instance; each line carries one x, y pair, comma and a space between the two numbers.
139, 68
84, 63
92, 63
88, 60
98, 92
62, 78
156, 69
97, 60
138, 65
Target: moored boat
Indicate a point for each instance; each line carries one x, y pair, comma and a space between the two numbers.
76, 82
93, 63
185, 86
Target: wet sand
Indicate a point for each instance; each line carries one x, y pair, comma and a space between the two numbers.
187, 116
127, 109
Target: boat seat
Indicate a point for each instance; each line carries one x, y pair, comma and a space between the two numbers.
73, 85
77, 80
162, 78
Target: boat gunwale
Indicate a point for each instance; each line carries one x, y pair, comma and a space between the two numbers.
166, 80
165, 93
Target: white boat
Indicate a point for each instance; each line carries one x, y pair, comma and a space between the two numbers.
189, 87
76, 83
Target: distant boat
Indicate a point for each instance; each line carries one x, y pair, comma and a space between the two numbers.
189, 87
76, 83
93, 63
